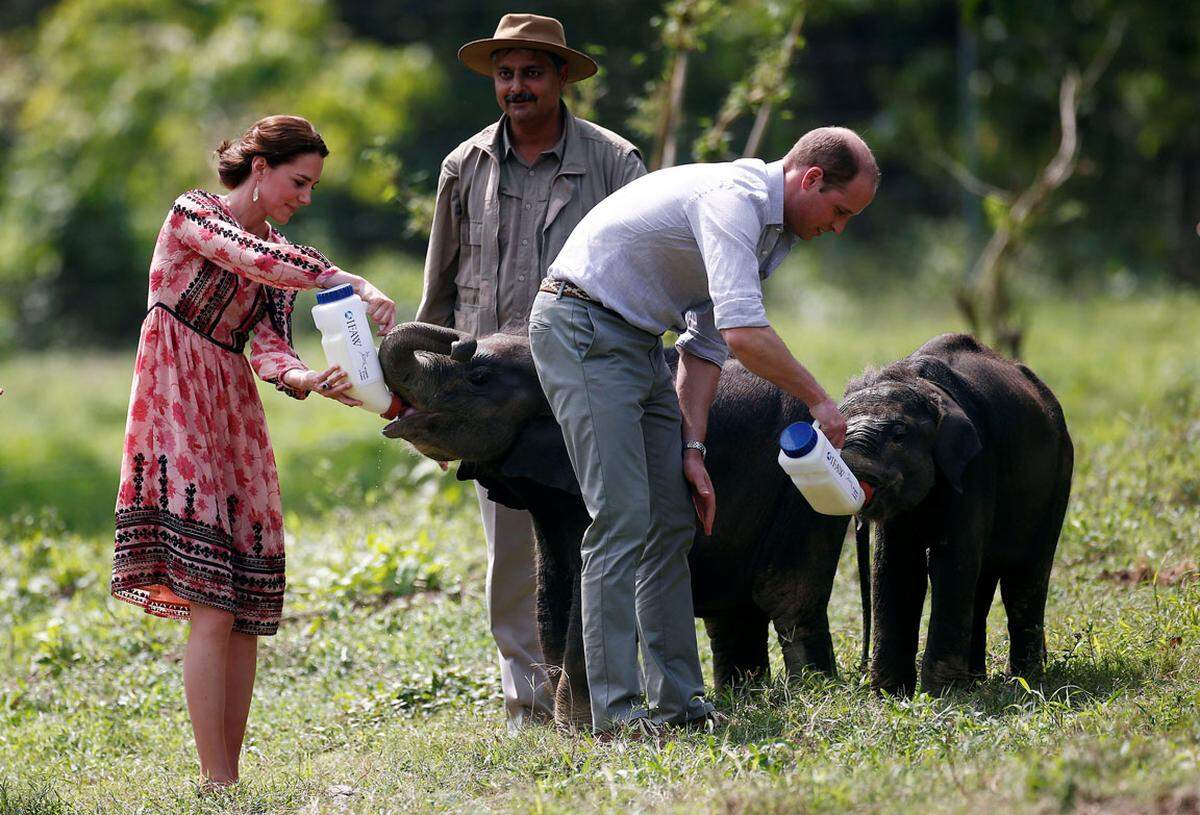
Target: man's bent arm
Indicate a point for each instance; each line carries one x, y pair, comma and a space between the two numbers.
696, 386
761, 350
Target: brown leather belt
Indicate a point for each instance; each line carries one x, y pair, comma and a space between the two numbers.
564, 289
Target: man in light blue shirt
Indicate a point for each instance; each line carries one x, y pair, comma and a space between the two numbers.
682, 249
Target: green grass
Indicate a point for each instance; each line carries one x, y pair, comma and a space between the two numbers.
380, 693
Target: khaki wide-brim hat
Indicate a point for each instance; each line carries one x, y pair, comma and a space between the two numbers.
527, 31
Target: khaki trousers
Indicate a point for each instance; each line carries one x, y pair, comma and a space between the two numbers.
512, 611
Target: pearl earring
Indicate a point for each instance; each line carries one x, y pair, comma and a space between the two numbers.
255, 196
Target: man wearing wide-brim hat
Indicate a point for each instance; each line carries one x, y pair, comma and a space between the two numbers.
507, 199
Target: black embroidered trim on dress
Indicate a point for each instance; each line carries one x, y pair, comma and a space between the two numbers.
236, 349
196, 560
239, 235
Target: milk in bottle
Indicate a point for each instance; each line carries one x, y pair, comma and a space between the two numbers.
341, 316
818, 471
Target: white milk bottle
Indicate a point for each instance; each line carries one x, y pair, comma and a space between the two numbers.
341, 317
818, 471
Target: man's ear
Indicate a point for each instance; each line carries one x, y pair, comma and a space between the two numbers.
812, 178
956, 443
540, 455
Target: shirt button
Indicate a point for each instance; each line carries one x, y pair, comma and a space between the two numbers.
527, 206
524, 243
531, 172
521, 277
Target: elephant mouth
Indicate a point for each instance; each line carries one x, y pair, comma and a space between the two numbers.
881, 496
396, 427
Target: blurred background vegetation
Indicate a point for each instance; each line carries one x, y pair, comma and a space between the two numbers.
1041, 178
110, 108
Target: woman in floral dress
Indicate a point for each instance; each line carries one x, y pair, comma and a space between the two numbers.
199, 529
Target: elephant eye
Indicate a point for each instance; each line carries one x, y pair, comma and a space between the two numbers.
897, 430
478, 375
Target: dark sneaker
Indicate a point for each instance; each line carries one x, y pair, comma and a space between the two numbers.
639, 729
710, 722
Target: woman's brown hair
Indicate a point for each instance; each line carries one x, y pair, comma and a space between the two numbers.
278, 139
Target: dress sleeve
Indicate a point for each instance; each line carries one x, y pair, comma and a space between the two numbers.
197, 224
271, 351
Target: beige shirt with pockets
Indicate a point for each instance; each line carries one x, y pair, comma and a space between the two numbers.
463, 271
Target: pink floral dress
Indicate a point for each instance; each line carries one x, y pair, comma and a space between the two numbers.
198, 517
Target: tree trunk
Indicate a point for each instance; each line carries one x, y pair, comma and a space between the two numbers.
763, 117
1187, 268
672, 113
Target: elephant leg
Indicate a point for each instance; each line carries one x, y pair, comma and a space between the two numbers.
1024, 592
954, 576
739, 646
898, 578
554, 590
572, 703
1024, 596
796, 595
806, 643
984, 594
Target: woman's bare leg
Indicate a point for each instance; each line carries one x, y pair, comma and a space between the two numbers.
204, 672
239, 687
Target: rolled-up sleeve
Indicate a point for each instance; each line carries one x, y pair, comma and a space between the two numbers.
727, 226
702, 339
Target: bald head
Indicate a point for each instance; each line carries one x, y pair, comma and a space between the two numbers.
838, 151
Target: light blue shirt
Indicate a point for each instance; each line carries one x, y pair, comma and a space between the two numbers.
684, 249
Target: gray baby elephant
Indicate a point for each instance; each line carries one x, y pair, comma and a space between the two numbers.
971, 462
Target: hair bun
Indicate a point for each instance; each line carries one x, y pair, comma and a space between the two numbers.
277, 139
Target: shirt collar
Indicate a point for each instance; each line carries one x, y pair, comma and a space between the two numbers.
775, 192
506, 145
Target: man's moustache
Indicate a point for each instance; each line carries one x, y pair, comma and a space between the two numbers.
520, 97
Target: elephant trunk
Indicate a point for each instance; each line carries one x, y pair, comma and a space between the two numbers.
397, 353
862, 545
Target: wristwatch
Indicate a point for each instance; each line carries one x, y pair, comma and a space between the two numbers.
696, 445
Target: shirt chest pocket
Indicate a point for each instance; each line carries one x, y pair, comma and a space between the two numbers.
471, 233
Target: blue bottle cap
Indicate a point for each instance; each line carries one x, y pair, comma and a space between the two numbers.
335, 294
797, 439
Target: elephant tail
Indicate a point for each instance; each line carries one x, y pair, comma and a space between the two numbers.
862, 540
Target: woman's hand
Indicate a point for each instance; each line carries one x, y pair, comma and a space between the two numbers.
332, 383
703, 496
380, 307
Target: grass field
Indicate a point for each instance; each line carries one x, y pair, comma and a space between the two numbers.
380, 693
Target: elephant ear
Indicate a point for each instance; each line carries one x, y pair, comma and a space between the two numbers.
957, 442
498, 488
540, 455
957, 439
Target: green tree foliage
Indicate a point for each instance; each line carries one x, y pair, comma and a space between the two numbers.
108, 108
1126, 208
116, 107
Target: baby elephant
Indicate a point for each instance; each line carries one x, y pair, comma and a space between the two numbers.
970, 461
